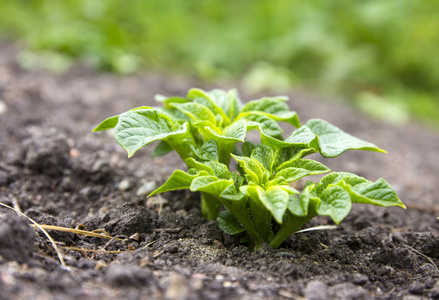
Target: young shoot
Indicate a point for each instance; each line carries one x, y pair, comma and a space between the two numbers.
204, 129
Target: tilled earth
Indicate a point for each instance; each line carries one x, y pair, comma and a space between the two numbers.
57, 172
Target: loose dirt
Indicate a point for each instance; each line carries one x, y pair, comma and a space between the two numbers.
57, 172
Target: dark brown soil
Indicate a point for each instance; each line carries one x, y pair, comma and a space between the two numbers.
59, 173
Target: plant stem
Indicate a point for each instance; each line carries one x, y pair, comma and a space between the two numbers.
209, 206
290, 226
224, 153
238, 209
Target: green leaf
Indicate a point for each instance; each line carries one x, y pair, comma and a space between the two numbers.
209, 103
139, 128
199, 166
228, 102
108, 123
334, 202
256, 119
286, 155
264, 155
254, 171
162, 149
275, 199
228, 223
362, 190
333, 141
208, 151
314, 167
298, 205
302, 135
275, 108
236, 132
196, 112
179, 180
111, 122
233, 192
210, 185
292, 174
376, 193
332, 178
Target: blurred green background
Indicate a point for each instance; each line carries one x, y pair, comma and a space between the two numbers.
381, 55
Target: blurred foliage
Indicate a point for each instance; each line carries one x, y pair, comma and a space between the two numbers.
379, 53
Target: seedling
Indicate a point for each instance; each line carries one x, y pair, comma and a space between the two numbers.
208, 128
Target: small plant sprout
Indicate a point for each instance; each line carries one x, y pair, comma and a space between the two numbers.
208, 129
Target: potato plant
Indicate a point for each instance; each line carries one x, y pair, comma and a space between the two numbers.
208, 129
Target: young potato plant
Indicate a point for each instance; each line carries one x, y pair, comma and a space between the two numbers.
204, 130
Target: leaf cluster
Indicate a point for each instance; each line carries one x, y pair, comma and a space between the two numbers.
208, 128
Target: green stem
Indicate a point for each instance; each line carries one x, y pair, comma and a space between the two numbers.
290, 226
237, 208
262, 221
224, 151
209, 206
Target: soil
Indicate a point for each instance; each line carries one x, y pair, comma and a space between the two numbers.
57, 172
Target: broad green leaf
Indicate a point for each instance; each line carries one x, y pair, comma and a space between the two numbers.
232, 193
236, 132
111, 122
334, 202
233, 106
292, 174
264, 155
212, 167
220, 170
161, 149
199, 166
271, 105
290, 117
275, 199
333, 141
227, 222
362, 190
298, 205
139, 128
314, 167
210, 185
179, 180
208, 151
302, 135
377, 193
196, 112
210, 103
286, 155
108, 123
256, 119
332, 178
174, 114
290, 190
275, 108
228, 102
254, 171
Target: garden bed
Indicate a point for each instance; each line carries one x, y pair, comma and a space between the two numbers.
57, 172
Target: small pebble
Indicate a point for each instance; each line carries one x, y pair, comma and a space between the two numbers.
146, 188
124, 185
3, 107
